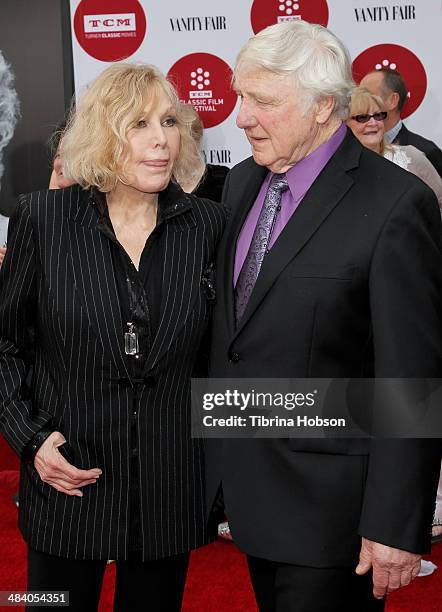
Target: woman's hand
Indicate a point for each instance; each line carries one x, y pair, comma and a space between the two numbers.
2, 255
54, 470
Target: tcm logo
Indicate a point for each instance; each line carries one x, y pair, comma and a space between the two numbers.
287, 10
199, 78
123, 22
203, 81
268, 12
110, 30
395, 57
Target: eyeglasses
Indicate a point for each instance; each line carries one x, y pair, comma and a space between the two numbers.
376, 116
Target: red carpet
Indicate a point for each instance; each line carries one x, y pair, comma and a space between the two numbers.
217, 579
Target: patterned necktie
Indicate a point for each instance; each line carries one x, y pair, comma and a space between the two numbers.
258, 247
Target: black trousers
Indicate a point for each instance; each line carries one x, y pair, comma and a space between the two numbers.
151, 585
281, 587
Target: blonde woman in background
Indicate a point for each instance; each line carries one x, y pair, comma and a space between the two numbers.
366, 121
207, 180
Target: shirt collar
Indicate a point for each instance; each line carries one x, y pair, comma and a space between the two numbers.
172, 201
391, 134
301, 176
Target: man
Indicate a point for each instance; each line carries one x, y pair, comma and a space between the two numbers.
390, 86
330, 267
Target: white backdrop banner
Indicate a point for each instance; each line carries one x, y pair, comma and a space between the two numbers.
196, 42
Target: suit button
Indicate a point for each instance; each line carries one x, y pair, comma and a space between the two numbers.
234, 357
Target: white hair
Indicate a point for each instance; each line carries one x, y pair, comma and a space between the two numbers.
316, 59
9, 107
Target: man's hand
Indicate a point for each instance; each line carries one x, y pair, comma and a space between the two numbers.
392, 568
54, 470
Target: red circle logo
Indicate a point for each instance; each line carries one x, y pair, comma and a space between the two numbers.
397, 58
203, 80
268, 12
110, 30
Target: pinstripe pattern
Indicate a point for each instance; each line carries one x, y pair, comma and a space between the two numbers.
58, 279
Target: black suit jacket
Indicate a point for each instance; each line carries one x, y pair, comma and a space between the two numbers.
58, 280
351, 288
431, 150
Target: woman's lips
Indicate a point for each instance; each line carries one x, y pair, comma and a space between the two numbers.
156, 163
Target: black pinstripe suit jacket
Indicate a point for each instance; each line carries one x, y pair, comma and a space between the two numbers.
58, 281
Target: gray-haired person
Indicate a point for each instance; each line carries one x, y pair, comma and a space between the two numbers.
330, 266
9, 111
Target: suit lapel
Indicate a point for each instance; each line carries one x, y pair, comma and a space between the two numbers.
94, 279
95, 284
323, 196
403, 136
245, 195
182, 270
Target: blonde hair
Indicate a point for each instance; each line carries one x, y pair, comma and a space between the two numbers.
95, 144
196, 131
195, 124
362, 101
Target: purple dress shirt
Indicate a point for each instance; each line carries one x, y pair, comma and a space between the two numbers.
300, 178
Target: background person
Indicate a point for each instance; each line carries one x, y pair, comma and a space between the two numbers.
207, 180
390, 86
57, 179
367, 122
330, 266
9, 114
108, 275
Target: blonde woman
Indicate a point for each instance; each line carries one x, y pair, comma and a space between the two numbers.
112, 276
366, 121
207, 180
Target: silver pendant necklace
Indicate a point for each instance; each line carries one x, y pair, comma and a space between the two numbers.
131, 340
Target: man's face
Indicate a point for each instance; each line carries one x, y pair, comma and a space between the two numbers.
373, 82
273, 118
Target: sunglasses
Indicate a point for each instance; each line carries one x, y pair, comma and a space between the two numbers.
380, 116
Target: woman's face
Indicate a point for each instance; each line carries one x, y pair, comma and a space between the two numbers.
370, 133
57, 166
154, 145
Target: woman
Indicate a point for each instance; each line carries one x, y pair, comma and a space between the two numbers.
207, 180
57, 179
112, 276
366, 121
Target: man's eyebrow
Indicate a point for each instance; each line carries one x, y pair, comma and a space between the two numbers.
256, 95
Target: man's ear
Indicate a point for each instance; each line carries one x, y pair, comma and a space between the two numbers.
392, 101
324, 109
